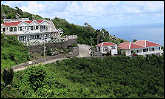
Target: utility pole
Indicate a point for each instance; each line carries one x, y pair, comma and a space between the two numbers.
44, 48
91, 45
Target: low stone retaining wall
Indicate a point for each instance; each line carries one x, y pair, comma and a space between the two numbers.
40, 48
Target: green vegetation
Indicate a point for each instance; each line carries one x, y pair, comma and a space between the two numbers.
12, 12
86, 34
12, 51
113, 77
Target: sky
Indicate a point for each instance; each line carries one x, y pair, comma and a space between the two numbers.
119, 17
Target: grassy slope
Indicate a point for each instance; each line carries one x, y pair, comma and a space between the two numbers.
12, 52
96, 77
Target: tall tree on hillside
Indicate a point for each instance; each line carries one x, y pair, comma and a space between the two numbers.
98, 36
19, 11
3, 15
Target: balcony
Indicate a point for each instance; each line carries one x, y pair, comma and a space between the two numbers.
150, 52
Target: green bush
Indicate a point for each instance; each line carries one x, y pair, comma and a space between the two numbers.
114, 77
7, 76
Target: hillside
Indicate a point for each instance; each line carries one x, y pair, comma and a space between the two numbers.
86, 34
12, 51
10, 13
108, 77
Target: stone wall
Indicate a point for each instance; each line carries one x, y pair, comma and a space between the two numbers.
40, 48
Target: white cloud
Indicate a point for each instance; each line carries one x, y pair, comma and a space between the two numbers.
76, 11
33, 7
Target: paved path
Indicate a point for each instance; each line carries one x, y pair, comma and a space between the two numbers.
46, 62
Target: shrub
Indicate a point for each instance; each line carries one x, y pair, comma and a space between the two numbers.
7, 76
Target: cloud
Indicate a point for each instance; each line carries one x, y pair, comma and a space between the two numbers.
95, 11
33, 7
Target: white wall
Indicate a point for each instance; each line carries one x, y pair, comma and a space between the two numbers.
113, 51
156, 51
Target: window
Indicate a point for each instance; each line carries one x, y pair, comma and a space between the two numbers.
15, 29
32, 36
11, 29
153, 49
145, 50
113, 47
22, 38
46, 35
20, 28
36, 27
132, 52
37, 36
98, 48
3, 29
31, 27
41, 27
150, 49
46, 28
105, 49
137, 51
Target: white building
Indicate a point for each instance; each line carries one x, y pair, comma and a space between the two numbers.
29, 31
140, 47
107, 47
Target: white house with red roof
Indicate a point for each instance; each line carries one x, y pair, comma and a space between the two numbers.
107, 47
30, 30
140, 47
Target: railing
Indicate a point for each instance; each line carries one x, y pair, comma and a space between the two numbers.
29, 31
151, 52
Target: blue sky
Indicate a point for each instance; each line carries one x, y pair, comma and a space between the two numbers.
107, 14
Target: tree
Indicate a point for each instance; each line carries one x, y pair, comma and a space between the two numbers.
134, 40
36, 75
19, 11
7, 76
121, 41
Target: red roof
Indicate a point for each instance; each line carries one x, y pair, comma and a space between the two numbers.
39, 21
148, 44
124, 45
140, 42
18, 22
106, 44
28, 21
11, 23
129, 45
137, 44
132, 46
145, 43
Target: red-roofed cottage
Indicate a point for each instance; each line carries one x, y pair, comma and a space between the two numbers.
30, 30
140, 47
107, 47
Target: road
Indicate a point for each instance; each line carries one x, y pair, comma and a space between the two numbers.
83, 52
